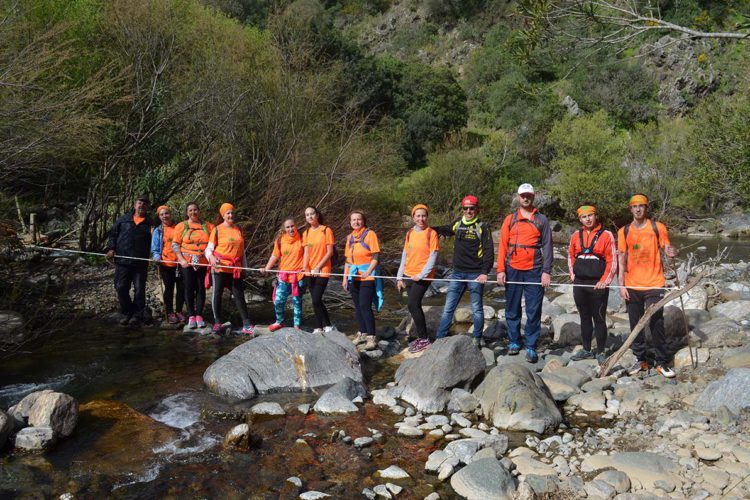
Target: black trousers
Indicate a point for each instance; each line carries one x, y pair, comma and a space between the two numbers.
127, 276
362, 293
639, 301
221, 280
195, 289
171, 277
592, 308
417, 289
317, 287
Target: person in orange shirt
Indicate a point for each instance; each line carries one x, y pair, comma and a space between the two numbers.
169, 271
417, 263
639, 246
524, 257
131, 237
318, 242
189, 242
226, 247
362, 250
592, 263
288, 252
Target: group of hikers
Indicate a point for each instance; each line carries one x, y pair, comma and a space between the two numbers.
195, 254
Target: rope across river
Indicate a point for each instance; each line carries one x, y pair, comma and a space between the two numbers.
263, 270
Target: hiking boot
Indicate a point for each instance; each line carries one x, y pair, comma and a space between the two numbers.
666, 371
581, 355
124, 320
200, 322
216, 328
531, 355
329, 329
172, 319
192, 324
248, 330
513, 349
476, 341
275, 326
371, 343
420, 345
638, 366
601, 358
360, 338
181, 317
317, 330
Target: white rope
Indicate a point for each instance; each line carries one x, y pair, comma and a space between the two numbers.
262, 270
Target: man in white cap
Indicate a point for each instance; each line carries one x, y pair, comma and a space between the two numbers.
524, 255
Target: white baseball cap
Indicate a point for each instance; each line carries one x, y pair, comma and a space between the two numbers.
525, 188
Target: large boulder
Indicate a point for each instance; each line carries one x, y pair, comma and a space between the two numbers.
426, 382
55, 410
737, 310
287, 361
721, 332
483, 479
730, 391
567, 329
514, 398
20, 411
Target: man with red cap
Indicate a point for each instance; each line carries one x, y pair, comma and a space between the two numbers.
473, 257
524, 257
640, 244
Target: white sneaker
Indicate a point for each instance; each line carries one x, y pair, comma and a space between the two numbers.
318, 330
329, 329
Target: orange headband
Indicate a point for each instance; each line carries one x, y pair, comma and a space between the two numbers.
225, 207
162, 207
417, 207
586, 210
638, 199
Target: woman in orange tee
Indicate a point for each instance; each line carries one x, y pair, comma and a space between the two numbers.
288, 252
318, 242
169, 272
362, 253
189, 242
226, 247
418, 262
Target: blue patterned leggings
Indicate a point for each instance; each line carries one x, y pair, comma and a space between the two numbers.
283, 291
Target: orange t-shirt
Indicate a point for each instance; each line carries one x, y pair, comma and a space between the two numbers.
168, 258
290, 252
138, 220
195, 239
316, 241
356, 253
522, 233
643, 267
228, 242
418, 246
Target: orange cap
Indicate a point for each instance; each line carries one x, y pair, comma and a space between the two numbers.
586, 210
162, 207
225, 207
417, 207
638, 199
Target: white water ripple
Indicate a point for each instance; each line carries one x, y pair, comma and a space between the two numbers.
13, 393
180, 411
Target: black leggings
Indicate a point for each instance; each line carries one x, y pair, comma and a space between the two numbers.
171, 277
362, 293
640, 300
195, 289
417, 289
317, 288
592, 307
220, 280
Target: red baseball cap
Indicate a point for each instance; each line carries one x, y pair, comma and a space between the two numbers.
470, 201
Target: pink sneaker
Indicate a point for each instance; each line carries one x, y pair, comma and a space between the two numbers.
248, 330
201, 323
216, 328
192, 324
275, 326
172, 319
181, 317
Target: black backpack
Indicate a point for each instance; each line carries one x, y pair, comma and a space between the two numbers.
588, 265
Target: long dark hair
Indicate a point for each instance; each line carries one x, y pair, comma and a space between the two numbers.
317, 212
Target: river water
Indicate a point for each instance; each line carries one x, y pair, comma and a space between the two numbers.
149, 428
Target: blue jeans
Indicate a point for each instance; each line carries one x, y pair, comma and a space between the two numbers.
534, 295
455, 292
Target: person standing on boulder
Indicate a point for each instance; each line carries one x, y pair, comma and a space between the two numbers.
131, 237
289, 253
640, 244
169, 272
317, 262
473, 257
592, 263
417, 263
524, 266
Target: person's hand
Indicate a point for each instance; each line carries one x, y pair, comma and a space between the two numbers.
213, 261
671, 251
366, 274
624, 294
572, 277
345, 285
315, 271
482, 278
110, 254
501, 277
184, 263
546, 279
400, 285
600, 286
416, 278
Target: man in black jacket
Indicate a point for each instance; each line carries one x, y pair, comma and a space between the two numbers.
473, 256
131, 237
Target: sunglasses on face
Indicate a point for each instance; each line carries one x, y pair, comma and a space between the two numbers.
469, 208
